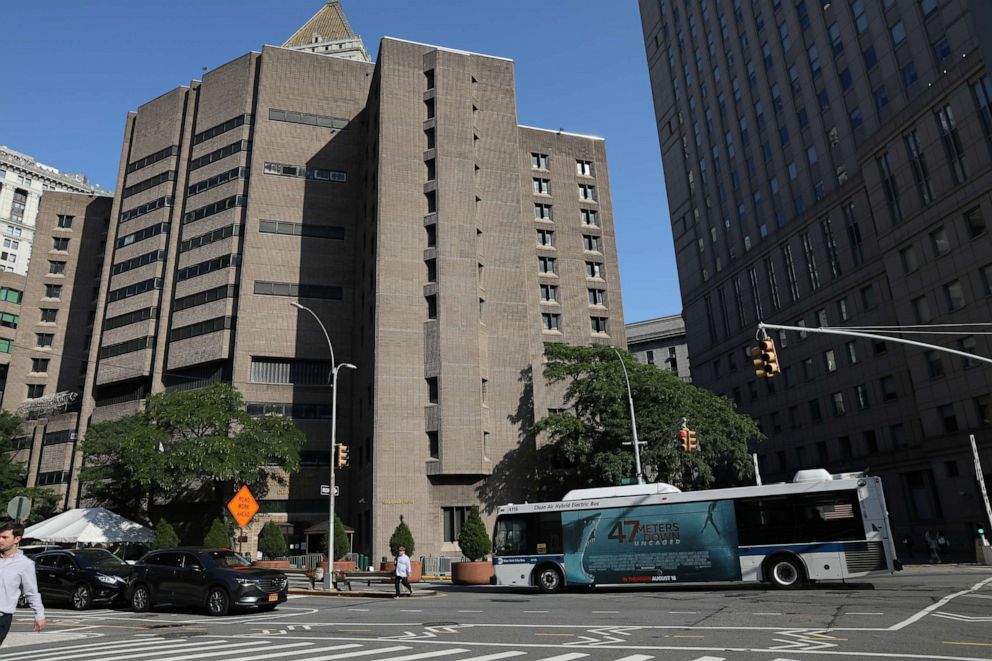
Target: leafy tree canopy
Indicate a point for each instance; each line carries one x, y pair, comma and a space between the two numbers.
586, 450
44, 502
182, 441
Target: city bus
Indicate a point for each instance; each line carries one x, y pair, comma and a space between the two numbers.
817, 527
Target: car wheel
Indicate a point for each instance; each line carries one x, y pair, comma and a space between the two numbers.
82, 597
141, 599
786, 573
218, 602
549, 579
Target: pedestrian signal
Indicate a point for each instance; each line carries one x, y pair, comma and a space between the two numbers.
342, 455
765, 360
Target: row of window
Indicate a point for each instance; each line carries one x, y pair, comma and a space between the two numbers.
210, 237
296, 290
314, 174
129, 318
148, 207
8, 320
204, 297
138, 262
215, 208
60, 243
239, 172
209, 266
307, 118
137, 344
589, 217
551, 321
290, 371
201, 328
590, 242
142, 234
549, 266
133, 290
539, 161
223, 127
295, 411
151, 182
52, 477
552, 294
58, 437
152, 158
587, 192
301, 229
40, 365
219, 154
10, 295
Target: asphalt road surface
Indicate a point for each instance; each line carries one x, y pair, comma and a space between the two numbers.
924, 612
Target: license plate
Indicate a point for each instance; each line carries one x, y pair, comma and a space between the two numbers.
273, 597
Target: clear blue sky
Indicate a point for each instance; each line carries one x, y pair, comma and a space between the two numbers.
75, 68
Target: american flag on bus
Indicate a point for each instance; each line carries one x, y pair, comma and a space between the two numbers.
837, 511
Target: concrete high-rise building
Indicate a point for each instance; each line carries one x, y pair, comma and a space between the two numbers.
828, 164
23, 181
441, 243
661, 342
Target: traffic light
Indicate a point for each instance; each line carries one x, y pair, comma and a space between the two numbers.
684, 438
342, 455
765, 360
691, 441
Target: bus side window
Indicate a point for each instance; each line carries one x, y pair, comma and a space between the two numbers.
548, 531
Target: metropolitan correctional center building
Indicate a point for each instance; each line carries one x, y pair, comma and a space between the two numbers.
441, 243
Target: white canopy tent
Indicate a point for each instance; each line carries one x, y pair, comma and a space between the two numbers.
94, 525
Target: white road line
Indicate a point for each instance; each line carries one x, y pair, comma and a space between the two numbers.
359, 610
765, 613
411, 610
681, 612
142, 651
718, 658
564, 657
225, 653
535, 611
645, 657
940, 604
349, 655
602, 612
469, 611
853, 613
493, 657
79, 648
411, 657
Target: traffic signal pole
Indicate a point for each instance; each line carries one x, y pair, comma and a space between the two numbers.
872, 336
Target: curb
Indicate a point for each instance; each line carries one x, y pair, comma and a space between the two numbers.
366, 594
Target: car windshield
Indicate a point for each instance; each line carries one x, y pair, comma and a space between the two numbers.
98, 559
228, 559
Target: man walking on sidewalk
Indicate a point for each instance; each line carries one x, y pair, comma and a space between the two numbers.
16, 579
402, 572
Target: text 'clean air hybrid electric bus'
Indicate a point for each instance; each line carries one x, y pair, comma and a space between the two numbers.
817, 527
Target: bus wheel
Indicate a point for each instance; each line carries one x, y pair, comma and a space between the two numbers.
549, 579
785, 573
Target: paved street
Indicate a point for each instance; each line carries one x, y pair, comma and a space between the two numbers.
923, 613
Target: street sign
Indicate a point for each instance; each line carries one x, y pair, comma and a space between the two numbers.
325, 490
19, 507
243, 507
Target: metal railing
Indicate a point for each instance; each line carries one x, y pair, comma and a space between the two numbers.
308, 561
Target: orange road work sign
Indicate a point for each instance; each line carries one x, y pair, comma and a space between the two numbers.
243, 506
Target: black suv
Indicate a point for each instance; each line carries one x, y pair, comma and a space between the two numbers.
83, 577
218, 579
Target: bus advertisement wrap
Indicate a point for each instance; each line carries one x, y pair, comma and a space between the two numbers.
673, 543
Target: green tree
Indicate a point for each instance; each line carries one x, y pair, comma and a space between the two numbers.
586, 441
341, 544
187, 444
271, 541
219, 535
44, 502
165, 536
401, 537
473, 539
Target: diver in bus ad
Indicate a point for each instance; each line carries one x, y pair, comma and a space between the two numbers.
674, 543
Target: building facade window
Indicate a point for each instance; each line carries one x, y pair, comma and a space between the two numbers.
952, 143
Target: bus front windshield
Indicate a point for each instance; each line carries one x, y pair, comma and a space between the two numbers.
511, 535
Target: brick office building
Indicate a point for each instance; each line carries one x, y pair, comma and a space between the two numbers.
829, 164
440, 243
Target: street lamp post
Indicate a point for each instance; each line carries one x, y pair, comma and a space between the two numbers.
633, 421
334, 429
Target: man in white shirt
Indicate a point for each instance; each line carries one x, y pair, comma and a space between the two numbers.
16, 579
402, 572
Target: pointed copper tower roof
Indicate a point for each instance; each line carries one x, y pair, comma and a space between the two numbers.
329, 33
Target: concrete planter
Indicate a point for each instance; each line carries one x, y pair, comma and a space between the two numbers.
471, 573
416, 569
272, 564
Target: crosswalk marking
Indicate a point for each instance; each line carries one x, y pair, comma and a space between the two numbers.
227, 652
714, 658
349, 655
73, 648
493, 657
145, 652
637, 657
565, 657
422, 655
